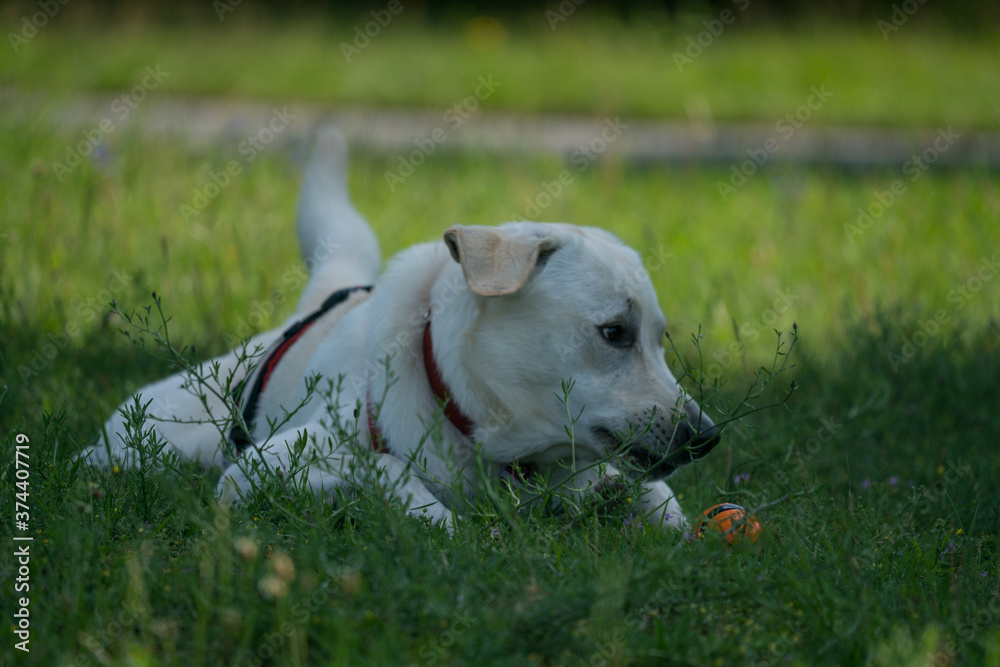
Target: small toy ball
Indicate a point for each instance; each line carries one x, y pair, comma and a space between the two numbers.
731, 521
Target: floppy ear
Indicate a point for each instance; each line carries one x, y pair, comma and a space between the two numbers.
495, 261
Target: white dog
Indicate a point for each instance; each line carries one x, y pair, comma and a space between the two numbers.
489, 324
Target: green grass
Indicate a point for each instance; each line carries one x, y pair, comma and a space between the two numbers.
884, 554
588, 64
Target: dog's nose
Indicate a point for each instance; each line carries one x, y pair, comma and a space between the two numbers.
704, 441
686, 444
698, 442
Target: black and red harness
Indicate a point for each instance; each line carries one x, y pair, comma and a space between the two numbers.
240, 439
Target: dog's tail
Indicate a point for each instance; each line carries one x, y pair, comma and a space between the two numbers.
338, 247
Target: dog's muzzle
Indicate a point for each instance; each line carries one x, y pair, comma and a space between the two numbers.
666, 446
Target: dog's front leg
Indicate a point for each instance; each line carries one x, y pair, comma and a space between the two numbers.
305, 458
325, 469
414, 494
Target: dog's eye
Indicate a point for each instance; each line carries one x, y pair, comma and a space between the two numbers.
617, 335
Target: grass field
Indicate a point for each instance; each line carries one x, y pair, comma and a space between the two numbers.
877, 484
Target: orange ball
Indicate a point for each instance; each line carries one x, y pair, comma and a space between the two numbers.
731, 521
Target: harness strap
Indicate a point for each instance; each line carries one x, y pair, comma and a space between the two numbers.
374, 430
239, 438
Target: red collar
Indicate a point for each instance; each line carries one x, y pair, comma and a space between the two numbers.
440, 389
442, 392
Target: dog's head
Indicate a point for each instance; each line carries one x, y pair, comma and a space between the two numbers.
550, 303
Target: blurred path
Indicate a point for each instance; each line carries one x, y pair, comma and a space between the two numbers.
465, 126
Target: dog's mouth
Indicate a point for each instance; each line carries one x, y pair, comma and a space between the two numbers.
685, 446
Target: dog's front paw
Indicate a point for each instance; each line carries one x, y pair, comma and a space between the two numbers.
437, 515
100, 455
660, 504
676, 521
